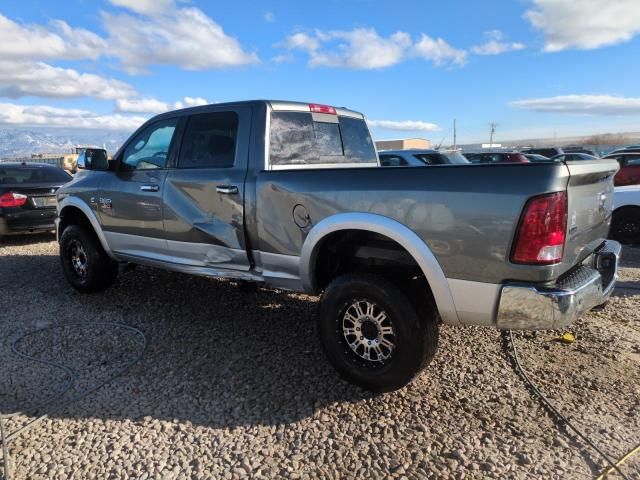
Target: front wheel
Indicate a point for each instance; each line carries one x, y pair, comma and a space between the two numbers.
625, 225
373, 334
85, 264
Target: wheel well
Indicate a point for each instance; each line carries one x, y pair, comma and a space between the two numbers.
627, 207
347, 251
73, 216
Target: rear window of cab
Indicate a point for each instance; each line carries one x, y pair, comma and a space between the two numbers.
300, 138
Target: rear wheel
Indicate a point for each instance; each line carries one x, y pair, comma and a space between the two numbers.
625, 225
85, 264
373, 334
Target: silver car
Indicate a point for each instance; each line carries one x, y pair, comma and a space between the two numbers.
420, 158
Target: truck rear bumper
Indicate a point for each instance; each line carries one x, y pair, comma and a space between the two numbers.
537, 308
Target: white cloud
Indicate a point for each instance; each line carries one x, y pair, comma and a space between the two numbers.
439, 51
36, 42
152, 105
404, 125
157, 33
582, 104
362, 49
18, 79
495, 46
142, 105
269, 17
185, 37
42, 115
365, 49
585, 24
195, 102
302, 41
145, 7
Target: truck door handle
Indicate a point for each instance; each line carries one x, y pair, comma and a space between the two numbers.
227, 189
149, 188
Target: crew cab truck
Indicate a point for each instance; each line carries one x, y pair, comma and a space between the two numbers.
292, 195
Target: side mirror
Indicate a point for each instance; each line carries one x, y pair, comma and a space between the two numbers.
93, 159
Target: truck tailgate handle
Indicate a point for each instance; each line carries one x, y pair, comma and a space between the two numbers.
149, 188
227, 189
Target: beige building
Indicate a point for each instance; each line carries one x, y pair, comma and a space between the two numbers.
403, 144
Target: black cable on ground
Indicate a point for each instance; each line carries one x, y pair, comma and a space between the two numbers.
550, 406
68, 382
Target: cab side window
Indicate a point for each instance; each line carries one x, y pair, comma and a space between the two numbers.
150, 148
209, 141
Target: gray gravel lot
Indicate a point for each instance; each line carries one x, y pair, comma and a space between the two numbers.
234, 384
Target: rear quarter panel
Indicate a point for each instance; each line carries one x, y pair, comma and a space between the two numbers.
467, 214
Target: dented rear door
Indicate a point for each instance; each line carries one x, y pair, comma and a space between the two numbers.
204, 196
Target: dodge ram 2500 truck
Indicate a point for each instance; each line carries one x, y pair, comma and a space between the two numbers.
291, 195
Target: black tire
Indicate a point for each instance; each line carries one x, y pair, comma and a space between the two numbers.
98, 271
415, 336
625, 225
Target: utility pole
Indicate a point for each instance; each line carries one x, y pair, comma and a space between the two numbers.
455, 137
492, 127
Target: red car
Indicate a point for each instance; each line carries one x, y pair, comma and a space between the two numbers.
629, 173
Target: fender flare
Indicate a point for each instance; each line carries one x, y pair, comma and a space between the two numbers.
392, 229
91, 216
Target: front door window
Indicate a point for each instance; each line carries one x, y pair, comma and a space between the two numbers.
150, 148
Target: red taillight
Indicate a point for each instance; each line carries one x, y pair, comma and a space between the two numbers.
315, 108
540, 238
11, 199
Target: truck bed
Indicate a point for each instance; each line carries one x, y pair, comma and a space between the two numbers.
467, 214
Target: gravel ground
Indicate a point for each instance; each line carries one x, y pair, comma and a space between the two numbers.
234, 384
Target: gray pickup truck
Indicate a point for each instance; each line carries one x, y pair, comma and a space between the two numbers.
291, 195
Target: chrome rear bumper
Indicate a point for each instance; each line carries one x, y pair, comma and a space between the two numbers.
539, 308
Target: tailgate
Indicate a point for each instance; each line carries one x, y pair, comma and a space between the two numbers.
590, 195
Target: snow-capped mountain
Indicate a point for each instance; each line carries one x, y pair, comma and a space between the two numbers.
24, 142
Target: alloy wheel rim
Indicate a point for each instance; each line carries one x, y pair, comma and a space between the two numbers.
368, 331
78, 258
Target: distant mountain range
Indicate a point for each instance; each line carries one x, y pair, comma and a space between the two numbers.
23, 142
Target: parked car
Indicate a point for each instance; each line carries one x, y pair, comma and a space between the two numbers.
497, 157
533, 157
627, 149
27, 197
625, 222
420, 158
290, 195
548, 152
565, 157
629, 173
578, 149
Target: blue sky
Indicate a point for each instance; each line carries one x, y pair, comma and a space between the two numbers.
538, 68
